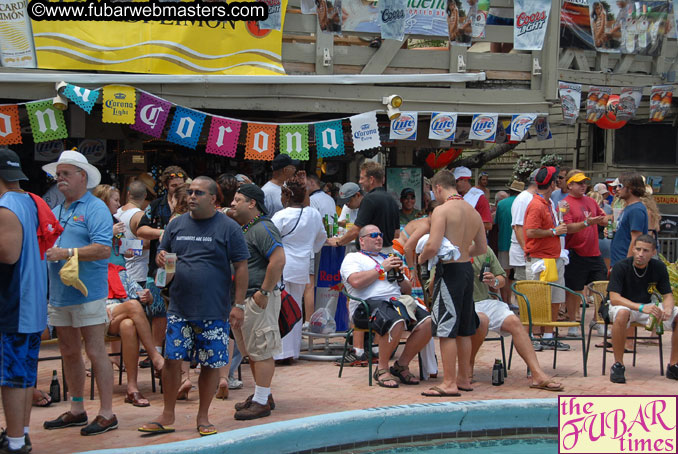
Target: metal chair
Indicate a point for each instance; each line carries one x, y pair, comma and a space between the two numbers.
598, 290
534, 300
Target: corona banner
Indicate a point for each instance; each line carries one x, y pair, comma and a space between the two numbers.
160, 46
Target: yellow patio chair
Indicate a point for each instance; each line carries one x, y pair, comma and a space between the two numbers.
598, 290
534, 300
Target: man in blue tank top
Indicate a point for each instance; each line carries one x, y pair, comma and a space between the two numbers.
23, 293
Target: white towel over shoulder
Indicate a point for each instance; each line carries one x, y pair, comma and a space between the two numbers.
447, 251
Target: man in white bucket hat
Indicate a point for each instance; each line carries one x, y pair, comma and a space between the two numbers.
80, 312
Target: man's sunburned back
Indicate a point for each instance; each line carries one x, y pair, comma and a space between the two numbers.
462, 225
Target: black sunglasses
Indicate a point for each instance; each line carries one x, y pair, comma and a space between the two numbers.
374, 235
197, 192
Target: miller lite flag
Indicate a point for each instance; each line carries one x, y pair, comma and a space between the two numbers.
483, 127
531, 18
443, 126
404, 127
520, 124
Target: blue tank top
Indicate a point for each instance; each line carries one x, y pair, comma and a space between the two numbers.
23, 285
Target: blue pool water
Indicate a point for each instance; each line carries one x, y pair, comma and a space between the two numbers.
399, 426
484, 446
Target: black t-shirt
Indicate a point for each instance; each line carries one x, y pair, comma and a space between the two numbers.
625, 281
380, 208
157, 215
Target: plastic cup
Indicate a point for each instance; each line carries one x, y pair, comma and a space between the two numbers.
170, 262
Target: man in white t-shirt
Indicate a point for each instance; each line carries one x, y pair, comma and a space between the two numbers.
517, 249
351, 197
284, 168
365, 275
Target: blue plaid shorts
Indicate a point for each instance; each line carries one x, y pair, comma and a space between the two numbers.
19, 359
204, 340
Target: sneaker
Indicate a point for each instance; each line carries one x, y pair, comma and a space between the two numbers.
352, 360
4, 449
537, 346
247, 402
4, 443
234, 383
672, 371
254, 411
100, 425
145, 363
617, 373
67, 419
550, 344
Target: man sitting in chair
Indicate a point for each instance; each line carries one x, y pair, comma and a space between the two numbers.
364, 274
631, 282
495, 315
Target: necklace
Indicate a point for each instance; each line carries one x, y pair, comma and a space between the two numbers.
636, 272
455, 197
254, 220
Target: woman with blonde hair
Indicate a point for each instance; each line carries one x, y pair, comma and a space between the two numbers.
111, 197
653, 215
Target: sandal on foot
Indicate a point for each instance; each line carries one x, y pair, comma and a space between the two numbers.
45, 400
222, 392
546, 385
439, 392
461, 388
206, 429
383, 382
182, 394
137, 399
157, 430
402, 372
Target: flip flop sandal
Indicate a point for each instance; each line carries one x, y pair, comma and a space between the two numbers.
45, 398
461, 388
439, 392
383, 382
159, 429
545, 386
206, 429
405, 376
222, 392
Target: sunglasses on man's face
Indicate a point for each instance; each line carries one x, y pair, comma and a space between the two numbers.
197, 192
374, 235
560, 177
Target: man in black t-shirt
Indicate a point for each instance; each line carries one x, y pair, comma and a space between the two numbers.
377, 208
633, 281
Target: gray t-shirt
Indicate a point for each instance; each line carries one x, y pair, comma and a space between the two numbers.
262, 239
205, 248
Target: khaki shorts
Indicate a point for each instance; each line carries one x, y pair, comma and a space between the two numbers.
78, 315
259, 336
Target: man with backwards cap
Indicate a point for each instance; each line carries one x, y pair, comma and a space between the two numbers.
582, 219
474, 196
255, 324
284, 168
23, 291
79, 312
351, 197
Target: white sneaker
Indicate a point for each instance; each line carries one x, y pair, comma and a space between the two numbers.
573, 332
234, 383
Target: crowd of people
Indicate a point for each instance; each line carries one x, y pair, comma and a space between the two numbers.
196, 275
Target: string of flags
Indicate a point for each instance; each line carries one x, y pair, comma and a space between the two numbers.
157, 117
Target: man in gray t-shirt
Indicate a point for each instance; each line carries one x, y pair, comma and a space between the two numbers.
259, 336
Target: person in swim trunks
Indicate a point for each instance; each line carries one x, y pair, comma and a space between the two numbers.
453, 314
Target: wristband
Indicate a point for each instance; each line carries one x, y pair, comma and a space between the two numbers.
640, 309
586, 222
240, 306
496, 282
554, 232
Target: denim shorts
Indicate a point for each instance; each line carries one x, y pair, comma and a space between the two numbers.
204, 340
19, 359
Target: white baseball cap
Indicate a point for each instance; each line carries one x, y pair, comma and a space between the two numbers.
462, 172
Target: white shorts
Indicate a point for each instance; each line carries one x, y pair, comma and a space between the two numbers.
496, 311
638, 317
78, 315
557, 294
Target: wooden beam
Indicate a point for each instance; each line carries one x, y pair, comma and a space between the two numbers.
624, 65
580, 61
383, 56
566, 59
549, 53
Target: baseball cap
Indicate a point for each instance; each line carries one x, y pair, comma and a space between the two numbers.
616, 182
577, 178
601, 189
348, 190
253, 191
406, 191
462, 172
10, 166
283, 160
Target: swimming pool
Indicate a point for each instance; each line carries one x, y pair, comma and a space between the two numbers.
393, 425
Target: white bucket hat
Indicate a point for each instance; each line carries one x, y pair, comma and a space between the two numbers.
76, 159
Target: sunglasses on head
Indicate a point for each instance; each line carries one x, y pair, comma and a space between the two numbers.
197, 192
177, 175
374, 235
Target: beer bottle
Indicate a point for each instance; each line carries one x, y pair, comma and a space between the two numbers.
335, 225
497, 373
610, 230
392, 274
485, 268
54, 388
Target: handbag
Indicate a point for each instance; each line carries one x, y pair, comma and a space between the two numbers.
290, 313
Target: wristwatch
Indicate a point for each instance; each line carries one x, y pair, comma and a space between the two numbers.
496, 282
240, 306
266, 293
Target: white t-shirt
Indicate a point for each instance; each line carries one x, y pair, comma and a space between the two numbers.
379, 289
272, 194
516, 253
351, 212
324, 204
137, 266
301, 243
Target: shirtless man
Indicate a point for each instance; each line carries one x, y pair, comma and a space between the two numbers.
453, 314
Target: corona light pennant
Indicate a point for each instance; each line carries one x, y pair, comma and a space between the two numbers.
483, 127
161, 47
365, 131
404, 127
119, 104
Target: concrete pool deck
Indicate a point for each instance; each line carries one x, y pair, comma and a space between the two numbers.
310, 388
